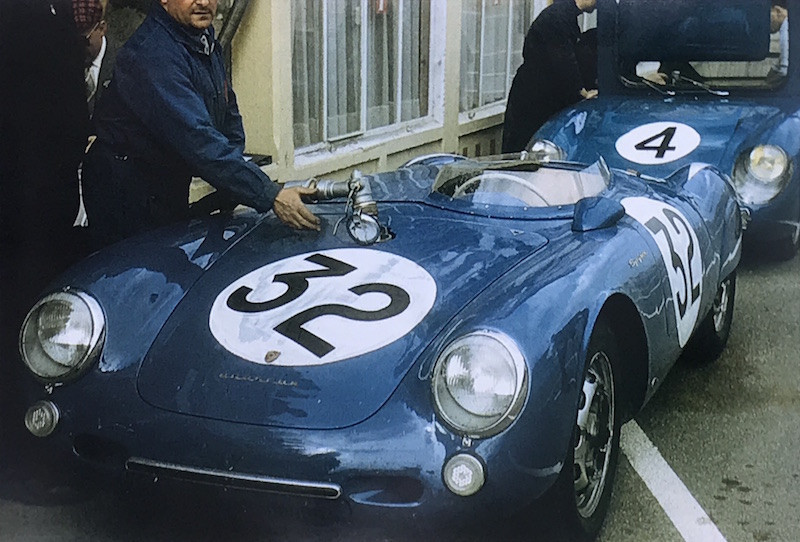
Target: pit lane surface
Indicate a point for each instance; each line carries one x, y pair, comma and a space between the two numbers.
728, 431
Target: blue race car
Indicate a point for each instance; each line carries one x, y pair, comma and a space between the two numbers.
696, 81
463, 337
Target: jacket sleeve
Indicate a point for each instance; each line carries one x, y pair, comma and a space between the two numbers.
560, 48
158, 89
233, 128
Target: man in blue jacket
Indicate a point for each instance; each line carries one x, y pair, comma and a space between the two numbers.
169, 114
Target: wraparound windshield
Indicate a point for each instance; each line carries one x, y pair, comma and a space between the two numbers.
698, 73
520, 184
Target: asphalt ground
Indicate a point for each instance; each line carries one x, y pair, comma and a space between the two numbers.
720, 456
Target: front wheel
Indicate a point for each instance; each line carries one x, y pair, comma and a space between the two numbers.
712, 335
582, 492
786, 248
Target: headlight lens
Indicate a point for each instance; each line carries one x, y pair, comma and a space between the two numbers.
479, 383
544, 150
761, 173
62, 334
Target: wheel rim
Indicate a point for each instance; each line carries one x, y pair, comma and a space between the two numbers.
720, 307
595, 435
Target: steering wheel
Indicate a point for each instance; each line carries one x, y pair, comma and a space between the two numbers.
498, 176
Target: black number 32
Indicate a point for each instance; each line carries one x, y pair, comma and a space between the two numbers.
297, 283
691, 287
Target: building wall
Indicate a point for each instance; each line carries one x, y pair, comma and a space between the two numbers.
262, 78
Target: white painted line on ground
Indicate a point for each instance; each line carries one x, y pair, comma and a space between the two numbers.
681, 508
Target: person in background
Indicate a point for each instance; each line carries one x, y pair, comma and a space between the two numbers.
550, 77
170, 114
779, 22
100, 53
44, 125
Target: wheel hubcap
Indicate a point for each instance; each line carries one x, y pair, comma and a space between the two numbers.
595, 433
721, 306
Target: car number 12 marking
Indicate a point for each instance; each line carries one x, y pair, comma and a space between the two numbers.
658, 143
321, 307
680, 252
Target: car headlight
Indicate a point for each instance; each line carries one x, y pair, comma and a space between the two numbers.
61, 335
479, 383
544, 151
761, 173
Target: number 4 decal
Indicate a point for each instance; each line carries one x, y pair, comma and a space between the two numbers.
665, 137
658, 143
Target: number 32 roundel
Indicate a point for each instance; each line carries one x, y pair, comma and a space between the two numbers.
321, 307
680, 251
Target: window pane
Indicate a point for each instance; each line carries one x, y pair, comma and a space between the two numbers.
415, 54
493, 32
307, 71
470, 53
382, 63
520, 21
494, 62
339, 94
344, 67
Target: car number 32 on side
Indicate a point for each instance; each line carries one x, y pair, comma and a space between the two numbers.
461, 340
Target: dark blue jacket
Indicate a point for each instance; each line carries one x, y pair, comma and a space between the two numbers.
168, 114
549, 78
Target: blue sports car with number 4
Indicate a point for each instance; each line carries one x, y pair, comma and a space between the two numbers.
463, 337
688, 81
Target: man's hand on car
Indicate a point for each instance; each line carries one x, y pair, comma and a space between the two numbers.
291, 210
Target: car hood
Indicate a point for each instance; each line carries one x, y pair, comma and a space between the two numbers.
659, 136
310, 330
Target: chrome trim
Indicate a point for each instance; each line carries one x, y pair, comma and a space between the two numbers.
233, 479
432, 156
94, 347
494, 424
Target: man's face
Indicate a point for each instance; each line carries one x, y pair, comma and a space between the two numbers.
94, 42
194, 13
587, 6
776, 17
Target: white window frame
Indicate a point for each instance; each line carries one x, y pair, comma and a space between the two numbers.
489, 110
359, 138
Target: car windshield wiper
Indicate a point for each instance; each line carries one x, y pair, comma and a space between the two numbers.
650, 84
677, 76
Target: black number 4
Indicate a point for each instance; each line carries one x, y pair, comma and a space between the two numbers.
665, 137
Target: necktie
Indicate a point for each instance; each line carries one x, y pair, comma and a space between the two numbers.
91, 85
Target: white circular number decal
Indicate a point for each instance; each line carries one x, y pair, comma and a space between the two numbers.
321, 307
680, 251
658, 143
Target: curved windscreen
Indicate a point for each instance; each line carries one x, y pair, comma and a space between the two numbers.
520, 184
695, 46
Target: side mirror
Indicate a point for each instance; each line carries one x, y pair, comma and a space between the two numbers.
596, 213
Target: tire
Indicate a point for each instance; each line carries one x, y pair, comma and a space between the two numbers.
582, 493
786, 248
711, 337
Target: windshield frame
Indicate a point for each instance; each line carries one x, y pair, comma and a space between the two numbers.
470, 205
613, 81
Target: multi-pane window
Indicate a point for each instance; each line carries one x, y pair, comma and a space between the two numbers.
493, 33
358, 65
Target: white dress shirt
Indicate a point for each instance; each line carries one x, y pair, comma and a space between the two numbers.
93, 72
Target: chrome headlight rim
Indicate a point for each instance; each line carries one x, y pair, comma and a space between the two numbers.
29, 344
544, 150
752, 185
450, 411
